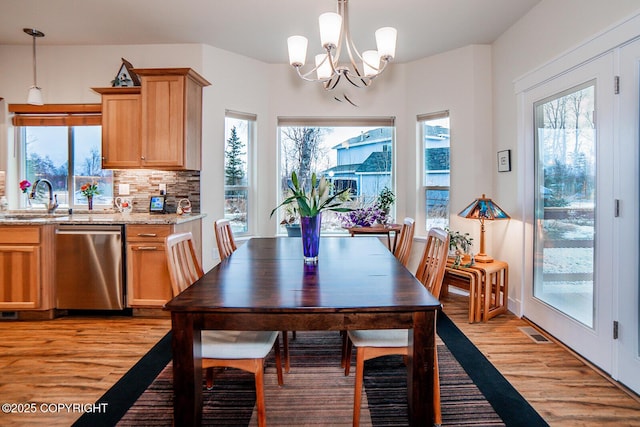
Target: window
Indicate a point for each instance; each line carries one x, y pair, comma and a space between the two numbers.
239, 131
351, 153
68, 157
436, 142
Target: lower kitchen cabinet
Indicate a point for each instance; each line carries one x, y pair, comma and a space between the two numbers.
148, 283
25, 268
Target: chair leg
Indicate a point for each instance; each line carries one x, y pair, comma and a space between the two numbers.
357, 395
343, 357
347, 355
437, 410
285, 343
262, 414
209, 376
276, 347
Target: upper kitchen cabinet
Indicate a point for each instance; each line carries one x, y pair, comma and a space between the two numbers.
121, 115
171, 120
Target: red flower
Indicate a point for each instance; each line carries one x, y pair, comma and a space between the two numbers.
24, 185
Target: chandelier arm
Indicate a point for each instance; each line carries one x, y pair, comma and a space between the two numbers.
365, 81
306, 75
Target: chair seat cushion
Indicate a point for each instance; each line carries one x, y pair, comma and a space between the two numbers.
380, 338
237, 344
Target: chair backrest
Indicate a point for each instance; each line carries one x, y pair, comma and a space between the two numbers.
184, 268
405, 241
224, 238
434, 260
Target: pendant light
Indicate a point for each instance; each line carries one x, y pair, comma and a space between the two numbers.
35, 93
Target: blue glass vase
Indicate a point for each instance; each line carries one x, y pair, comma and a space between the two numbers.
310, 230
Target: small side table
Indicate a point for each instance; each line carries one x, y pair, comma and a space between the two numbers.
488, 286
381, 230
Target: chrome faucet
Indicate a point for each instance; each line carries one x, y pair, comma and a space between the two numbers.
53, 199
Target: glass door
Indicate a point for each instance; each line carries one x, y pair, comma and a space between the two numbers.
565, 203
572, 210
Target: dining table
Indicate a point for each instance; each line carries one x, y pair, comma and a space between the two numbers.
266, 285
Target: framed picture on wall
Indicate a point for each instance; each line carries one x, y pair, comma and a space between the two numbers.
504, 161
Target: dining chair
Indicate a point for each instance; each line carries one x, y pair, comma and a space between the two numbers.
226, 246
405, 241
224, 238
370, 344
245, 350
402, 253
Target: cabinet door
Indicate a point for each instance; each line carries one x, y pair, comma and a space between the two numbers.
20, 273
147, 275
121, 131
163, 110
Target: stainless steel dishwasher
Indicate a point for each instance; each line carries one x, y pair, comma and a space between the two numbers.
89, 267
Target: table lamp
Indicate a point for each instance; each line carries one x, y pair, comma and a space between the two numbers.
483, 209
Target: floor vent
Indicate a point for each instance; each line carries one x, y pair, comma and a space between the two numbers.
8, 315
536, 336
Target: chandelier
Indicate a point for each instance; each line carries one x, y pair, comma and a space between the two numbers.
334, 35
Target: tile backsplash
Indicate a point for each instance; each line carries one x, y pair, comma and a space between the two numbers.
146, 183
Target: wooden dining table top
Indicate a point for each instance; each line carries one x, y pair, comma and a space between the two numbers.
268, 275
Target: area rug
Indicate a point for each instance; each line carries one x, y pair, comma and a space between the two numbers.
316, 392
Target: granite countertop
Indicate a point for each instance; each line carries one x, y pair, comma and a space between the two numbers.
40, 217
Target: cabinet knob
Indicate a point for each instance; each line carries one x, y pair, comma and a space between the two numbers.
142, 157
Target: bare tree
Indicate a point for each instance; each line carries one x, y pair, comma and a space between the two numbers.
302, 151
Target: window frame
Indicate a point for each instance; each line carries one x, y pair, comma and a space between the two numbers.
335, 122
249, 187
421, 120
56, 115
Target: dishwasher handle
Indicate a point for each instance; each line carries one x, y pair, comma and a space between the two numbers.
91, 232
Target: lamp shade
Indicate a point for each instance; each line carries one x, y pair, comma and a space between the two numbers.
386, 42
370, 62
297, 50
35, 96
324, 68
330, 29
485, 209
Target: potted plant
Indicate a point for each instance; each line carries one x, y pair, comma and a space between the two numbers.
291, 220
309, 205
459, 246
385, 199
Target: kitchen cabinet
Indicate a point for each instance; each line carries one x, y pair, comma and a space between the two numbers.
148, 283
121, 127
171, 118
26, 267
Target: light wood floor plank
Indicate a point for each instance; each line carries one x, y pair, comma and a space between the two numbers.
77, 359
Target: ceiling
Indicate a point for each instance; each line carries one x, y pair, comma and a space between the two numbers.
259, 28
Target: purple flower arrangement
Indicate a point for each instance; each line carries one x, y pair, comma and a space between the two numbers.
363, 217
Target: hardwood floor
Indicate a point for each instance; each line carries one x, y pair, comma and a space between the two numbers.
76, 359
562, 388
68, 360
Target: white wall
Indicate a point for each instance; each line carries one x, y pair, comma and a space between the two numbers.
458, 81
547, 31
